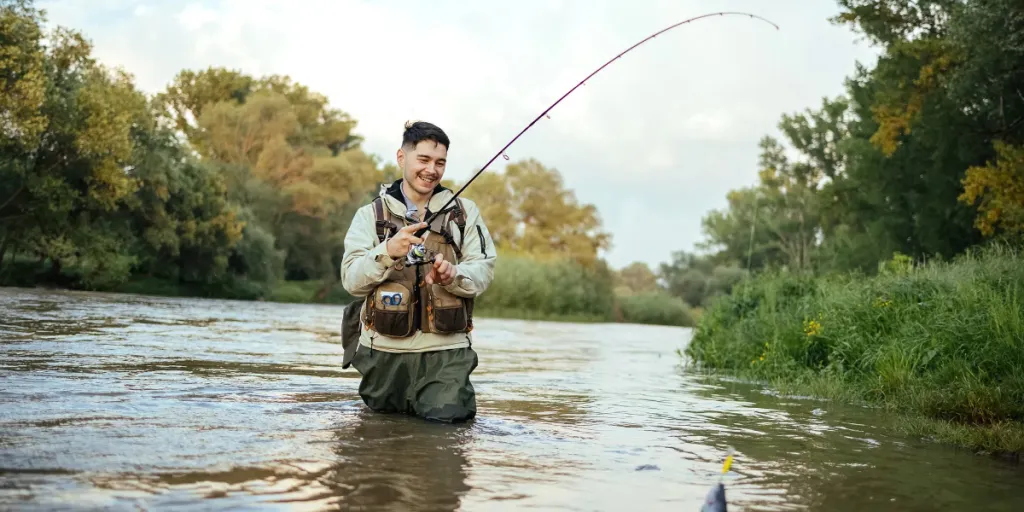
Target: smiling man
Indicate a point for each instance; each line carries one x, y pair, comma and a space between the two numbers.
413, 322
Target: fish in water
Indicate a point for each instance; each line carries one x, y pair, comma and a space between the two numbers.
715, 499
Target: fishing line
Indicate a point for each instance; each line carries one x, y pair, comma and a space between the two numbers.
501, 152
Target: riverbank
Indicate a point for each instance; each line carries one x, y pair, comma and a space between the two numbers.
523, 289
941, 345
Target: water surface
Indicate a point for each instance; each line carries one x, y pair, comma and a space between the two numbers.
131, 402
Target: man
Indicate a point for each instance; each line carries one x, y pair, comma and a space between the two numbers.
414, 348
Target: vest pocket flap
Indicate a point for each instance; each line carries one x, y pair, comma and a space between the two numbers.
392, 296
448, 311
441, 298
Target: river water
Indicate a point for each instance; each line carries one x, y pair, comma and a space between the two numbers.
139, 403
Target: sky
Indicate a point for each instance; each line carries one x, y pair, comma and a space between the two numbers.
655, 140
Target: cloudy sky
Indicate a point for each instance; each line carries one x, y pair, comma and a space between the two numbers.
655, 140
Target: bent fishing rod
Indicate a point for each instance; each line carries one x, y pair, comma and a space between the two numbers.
501, 152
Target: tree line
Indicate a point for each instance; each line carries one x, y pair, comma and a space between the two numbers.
923, 156
226, 184
233, 185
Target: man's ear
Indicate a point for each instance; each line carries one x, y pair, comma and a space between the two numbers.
400, 156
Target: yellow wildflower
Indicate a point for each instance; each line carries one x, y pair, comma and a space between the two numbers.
812, 327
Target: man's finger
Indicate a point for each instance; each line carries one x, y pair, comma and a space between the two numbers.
413, 227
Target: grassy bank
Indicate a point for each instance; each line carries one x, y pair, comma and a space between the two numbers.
941, 344
523, 288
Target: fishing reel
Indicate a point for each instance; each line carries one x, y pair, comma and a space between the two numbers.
419, 255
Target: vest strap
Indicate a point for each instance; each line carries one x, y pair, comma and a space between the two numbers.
386, 228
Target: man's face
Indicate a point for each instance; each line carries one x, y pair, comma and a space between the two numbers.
423, 166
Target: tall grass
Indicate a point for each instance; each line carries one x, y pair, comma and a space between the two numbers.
941, 343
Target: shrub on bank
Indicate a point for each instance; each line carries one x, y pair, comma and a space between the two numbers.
657, 308
943, 341
548, 289
565, 289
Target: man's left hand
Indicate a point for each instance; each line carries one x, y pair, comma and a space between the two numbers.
442, 272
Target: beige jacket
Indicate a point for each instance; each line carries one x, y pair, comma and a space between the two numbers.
367, 264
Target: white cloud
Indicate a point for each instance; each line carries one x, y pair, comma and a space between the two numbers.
655, 140
194, 17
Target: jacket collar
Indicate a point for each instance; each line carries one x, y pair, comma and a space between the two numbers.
395, 199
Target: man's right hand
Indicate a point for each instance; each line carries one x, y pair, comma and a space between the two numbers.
398, 245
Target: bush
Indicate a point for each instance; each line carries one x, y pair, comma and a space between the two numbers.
942, 340
549, 289
658, 308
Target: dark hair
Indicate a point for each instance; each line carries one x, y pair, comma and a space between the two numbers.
416, 132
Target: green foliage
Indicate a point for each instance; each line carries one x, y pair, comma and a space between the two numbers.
943, 340
529, 211
699, 279
919, 157
562, 287
656, 308
923, 163
96, 184
568, 289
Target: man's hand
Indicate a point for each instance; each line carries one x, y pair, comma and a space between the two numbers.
442, 272
398, 245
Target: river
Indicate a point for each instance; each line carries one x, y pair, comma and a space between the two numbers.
137, 403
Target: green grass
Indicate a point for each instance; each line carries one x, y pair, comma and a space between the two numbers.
941, 345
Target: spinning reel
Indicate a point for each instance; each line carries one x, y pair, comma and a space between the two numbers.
419, 255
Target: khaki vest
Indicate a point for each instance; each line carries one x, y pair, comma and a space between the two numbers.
403, 303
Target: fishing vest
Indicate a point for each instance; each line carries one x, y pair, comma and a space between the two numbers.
404, 303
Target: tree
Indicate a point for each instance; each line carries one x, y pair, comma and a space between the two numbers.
69, 162
292, 164
191, 93
529, 210
777, 220
636, 278
998, 188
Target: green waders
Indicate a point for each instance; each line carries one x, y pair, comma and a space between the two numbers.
433, 385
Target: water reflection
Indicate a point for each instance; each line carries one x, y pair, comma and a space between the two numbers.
390, 462
815, 455
114, 401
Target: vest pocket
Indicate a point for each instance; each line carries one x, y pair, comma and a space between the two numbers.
448, 311
392, 310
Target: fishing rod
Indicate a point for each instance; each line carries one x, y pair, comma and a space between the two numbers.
502, 153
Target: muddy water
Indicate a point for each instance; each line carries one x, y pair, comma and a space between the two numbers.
127, 402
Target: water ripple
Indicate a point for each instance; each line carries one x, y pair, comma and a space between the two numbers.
121, 401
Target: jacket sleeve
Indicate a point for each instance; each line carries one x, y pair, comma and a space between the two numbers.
475, 271
366, 263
